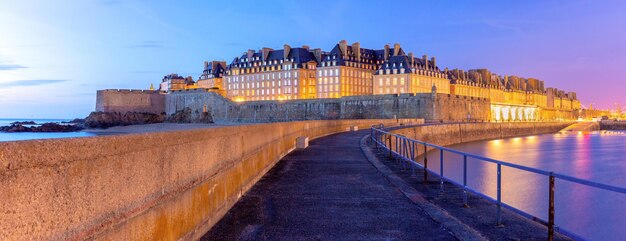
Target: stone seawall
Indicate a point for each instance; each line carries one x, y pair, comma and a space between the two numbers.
123, 101
450, 134
613, 125
425, 106
153, 186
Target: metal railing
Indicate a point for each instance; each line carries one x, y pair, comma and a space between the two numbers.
406, 149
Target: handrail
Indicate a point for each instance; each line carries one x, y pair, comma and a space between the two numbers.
406, 149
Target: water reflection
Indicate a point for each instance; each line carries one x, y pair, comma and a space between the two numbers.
596, 156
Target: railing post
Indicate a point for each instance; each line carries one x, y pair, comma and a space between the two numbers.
465, 181
389, 140
441, 168
499, 203
412, 158
405, 148
396, 144
425, 164
551, 209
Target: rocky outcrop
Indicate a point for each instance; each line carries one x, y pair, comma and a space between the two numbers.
23, 123
109, 119
188, 116
47, 127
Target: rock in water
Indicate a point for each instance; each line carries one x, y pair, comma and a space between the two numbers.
47, 127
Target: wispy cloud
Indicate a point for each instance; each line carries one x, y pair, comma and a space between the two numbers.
147, 44
11, 67
34, 82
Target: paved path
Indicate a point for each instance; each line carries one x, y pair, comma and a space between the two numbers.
329, 191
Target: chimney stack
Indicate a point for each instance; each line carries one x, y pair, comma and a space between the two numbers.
396, 49
386, 52
206, 64
425, 59
286, 48
343, 46
434, 62
266, 53
305, 47
356, 49
318, 54
250, 53
412, 59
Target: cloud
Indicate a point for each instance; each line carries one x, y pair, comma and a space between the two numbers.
11, 67
35, 82
147, 44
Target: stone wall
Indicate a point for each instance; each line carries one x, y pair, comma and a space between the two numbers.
152, 186
613, 125
450, 134
123, 101
426, 106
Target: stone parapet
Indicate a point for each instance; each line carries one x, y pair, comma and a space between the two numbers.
152, 186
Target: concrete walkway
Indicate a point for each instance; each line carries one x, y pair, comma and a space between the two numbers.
329, 191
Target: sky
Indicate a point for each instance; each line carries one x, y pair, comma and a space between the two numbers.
54, 55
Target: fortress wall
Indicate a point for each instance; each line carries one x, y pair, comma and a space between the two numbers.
426, 106
450, 134
130, 100
612, 125
164, 185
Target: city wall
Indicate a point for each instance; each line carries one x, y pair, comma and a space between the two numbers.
612, 125
427, 106
150, 101
450, 134
152, 186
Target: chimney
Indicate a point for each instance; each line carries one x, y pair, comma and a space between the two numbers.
396, 49
343, 46
425, 59
266, 52
286, 51
305, 47
386, 52
434, 62
356, 49
206, 64
250, 53
318, 54
412, 59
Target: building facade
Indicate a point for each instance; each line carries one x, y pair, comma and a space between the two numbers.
350, 70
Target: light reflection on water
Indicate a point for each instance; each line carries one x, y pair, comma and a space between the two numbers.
597, 156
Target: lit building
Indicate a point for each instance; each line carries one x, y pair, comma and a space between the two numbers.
347, 70
270, 74
173, 82
212, 76
401, 73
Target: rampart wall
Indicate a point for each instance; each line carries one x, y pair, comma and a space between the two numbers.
152, 186
450, 134
123, 101
427, 106
612, 125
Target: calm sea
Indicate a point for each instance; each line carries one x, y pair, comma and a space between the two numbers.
597, 156
15, 136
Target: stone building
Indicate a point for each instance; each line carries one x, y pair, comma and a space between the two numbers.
347, 70
401, 73
350, 70
172, 82
212, 76
270, 74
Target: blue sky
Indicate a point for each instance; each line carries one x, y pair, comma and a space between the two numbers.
54, 55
